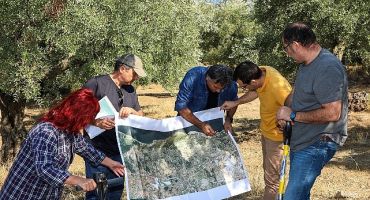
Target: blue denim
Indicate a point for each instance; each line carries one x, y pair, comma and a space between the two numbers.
193, 91
306, 166
114, 193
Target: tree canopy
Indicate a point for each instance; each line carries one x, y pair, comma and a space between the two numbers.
229, 36
50, 47
341, 26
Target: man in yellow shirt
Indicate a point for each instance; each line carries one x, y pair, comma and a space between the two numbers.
267, 84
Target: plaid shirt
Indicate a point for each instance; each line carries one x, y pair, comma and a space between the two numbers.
40, 168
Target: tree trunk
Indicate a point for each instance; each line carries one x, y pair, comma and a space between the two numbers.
339, 50
12, 128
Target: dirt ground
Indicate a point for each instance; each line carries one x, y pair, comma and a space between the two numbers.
347, 176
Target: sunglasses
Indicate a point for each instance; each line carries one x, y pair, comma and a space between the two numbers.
120, 97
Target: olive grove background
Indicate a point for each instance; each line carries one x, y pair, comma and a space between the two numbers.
50, 47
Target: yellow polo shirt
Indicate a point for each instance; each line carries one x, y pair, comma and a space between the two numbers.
272, 95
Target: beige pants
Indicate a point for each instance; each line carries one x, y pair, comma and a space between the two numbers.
272, 154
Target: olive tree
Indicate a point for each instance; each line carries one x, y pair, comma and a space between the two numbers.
50, 47
341, 26
228, 33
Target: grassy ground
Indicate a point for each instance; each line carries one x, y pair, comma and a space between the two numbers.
347, 176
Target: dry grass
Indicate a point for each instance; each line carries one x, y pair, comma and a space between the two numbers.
347, 176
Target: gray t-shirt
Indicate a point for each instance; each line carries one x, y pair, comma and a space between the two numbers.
322, 81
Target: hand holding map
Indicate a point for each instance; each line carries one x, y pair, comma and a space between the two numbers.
106, 115
174, 160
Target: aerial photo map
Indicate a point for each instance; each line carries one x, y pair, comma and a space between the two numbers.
171, 159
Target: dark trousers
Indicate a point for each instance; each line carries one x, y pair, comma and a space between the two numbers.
114, 193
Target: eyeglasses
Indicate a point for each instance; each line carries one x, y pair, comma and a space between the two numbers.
120, 97
285, 47
244, 87
126, 66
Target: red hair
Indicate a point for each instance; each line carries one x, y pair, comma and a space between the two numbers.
74, 112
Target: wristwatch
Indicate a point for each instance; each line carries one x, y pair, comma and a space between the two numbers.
292, 116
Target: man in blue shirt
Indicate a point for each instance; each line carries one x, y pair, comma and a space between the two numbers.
204, 88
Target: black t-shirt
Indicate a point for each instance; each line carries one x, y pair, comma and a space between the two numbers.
212, 101
104, 86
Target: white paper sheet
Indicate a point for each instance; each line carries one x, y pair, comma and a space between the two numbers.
169, 159
107, 110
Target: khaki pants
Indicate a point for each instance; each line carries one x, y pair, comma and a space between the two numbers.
272, 154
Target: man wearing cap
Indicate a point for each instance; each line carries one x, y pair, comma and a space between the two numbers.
117, 86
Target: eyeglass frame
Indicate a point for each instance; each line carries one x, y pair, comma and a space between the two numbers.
126, 66
244, 86
285, 47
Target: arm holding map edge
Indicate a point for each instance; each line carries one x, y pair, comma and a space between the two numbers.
203, 88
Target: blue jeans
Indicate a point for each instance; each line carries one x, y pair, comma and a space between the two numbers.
114, 193
306, 166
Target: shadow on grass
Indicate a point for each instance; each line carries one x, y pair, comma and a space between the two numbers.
70, 193
152, 112
246, 196
158, 94
358, 146
246, 130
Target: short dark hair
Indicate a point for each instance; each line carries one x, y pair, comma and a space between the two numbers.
220, 74
299, 32
247, 71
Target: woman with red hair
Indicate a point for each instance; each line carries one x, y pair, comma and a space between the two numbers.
40, 168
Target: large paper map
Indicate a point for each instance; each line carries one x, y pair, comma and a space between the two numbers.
171, 159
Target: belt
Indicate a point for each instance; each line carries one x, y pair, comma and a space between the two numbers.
325, 138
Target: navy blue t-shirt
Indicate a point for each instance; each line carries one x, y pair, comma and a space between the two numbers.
104, 86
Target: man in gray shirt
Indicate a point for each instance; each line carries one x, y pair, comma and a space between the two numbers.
317, 107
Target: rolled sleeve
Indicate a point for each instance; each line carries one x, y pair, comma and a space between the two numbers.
185, 92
